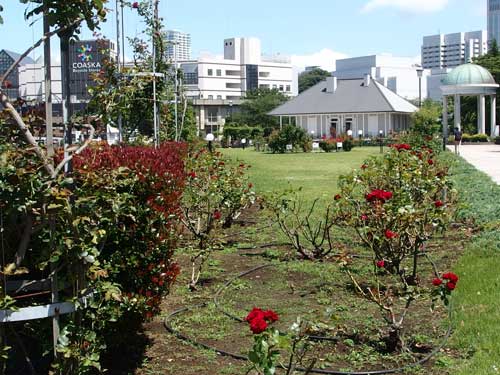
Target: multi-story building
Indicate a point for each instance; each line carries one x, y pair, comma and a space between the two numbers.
494, 20
399, 74
178, 45
443, 51
218, 84
11, 84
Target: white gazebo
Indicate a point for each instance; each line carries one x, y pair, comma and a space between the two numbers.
469, 80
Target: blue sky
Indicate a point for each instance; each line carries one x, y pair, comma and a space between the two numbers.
314, 32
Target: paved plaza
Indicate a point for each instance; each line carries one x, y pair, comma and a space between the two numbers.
486, 158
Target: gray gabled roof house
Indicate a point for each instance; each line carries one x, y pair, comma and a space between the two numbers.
334, 106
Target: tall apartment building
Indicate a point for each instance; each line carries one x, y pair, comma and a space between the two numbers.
180, 45
217, 84
494, 20
443, 51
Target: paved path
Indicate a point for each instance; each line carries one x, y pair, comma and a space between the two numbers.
486, 158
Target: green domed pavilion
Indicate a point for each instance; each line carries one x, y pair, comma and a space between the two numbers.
470, 80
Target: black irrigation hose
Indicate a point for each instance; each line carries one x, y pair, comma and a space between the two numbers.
194, 342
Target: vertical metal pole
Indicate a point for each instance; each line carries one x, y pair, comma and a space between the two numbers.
120, 130
419, 92
123, 35
155, 118
48, 87
177, 135
66, 97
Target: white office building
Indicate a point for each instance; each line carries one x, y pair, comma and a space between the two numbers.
178, 45
443, 51
399, 74
494, 20
217, 84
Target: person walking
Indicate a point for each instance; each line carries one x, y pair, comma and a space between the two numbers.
458, 140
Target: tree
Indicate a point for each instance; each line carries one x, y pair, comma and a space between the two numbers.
258, 103
310, 78
426, 120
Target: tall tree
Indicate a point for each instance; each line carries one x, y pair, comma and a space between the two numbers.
312, 77
258, 103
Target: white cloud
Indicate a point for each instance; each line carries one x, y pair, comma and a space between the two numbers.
325, 59
410, 6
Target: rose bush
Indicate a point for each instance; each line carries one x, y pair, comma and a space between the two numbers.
215, 194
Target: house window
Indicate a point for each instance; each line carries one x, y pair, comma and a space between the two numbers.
210, 97
281, 88
210, 72
275, 87
219, 97
219, 73
288, 88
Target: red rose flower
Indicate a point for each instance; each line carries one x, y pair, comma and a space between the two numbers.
381, 264
217, 215
364, 166
256, 313
451, 277
250, 185
379, 195
135, 5
389, 234
192, 175
364, 217
430, 161
451, 286
270, 316
402, 147
337, 197
438, 204
437, 281
258, 326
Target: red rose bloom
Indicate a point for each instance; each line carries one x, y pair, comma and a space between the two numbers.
217, 215
192, 175
270, 316
135, 5
437, 281
364, 166
250, 185
451, 277
390, 234
337, 197
258, 326
364, 217
451, 286
438, 204
381, 264
430, 161
255, 314
379, 195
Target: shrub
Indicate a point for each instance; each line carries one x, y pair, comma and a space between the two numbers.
475, 138
289, 135
328, 145
215, 194
395, 204
497, 140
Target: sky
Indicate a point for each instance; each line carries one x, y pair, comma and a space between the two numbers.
313, 32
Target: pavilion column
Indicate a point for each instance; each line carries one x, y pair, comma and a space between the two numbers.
481, 117
445, 121
493, 114
281, 122
458, 113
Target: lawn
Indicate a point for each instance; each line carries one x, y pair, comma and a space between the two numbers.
316, 173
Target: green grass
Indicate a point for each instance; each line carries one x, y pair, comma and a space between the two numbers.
477, 300
316, 173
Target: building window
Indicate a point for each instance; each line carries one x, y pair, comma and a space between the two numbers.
210, 97
275, 87
281, 88
288, 88
219, 97
219, 73
210, 72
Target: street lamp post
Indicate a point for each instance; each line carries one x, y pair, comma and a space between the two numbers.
210, 138
360, 134
420, 73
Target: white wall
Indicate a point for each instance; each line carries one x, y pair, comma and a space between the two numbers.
31, 82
